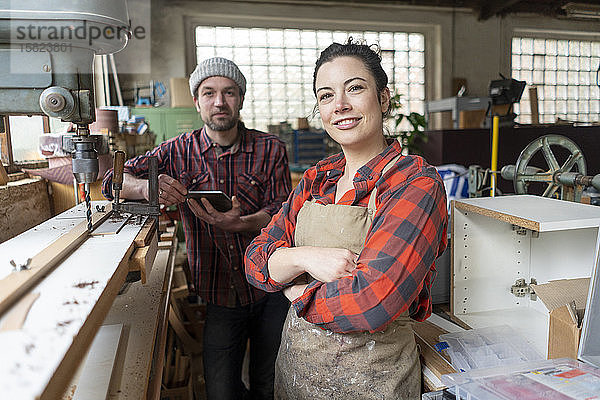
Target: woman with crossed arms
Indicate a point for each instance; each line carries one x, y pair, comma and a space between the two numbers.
354, 247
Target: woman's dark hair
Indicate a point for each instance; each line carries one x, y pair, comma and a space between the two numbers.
369, 55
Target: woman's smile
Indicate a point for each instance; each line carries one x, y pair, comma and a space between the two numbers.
347, 123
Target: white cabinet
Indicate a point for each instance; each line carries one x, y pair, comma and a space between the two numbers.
497, 241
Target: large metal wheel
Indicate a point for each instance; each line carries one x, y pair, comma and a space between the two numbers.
523, 178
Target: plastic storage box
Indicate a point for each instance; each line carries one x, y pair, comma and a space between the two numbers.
560, 379
488, 347
438, 395
308, 147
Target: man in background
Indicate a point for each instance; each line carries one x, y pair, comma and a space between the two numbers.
252, 168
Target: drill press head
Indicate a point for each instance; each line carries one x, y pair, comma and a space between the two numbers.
55, 77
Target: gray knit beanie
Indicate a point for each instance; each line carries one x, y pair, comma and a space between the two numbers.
217, 66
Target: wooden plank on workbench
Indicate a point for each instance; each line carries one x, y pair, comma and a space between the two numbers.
158, 358
426, 336
146, 234
73, 357
39, 362
16, 285
143, 258
141, 308
166, 242
16, 316
163, 225
167, 235
95, 377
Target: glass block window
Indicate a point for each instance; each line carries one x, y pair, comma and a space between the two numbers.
279, 63
565, 73
25, 137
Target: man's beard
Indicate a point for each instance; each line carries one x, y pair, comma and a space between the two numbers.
222, 124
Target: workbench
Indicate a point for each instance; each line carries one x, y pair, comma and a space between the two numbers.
75, 301
456, 105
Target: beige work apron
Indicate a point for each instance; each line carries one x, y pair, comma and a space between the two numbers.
313, 363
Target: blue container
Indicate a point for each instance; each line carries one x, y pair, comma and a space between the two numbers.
308, 147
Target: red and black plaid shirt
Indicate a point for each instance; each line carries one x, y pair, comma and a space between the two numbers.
396, 267
256, 171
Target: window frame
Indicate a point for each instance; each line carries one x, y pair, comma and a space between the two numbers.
7, 154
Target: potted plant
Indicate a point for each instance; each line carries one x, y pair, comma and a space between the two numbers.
412, 138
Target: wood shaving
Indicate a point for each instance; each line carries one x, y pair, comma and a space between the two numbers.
85, 284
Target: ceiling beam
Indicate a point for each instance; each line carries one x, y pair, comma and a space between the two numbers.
491, 8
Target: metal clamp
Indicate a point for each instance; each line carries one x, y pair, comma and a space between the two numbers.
152, 208
519, 230
522, 289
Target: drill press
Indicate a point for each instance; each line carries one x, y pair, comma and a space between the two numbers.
47, 49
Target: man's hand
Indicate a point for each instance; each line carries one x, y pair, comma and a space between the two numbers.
295, 291
170, 191
231, 220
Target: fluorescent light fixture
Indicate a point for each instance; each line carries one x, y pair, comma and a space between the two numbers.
582, 10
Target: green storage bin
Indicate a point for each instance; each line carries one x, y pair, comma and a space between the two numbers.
166, 123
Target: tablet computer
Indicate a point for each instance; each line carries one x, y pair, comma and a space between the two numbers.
219, 200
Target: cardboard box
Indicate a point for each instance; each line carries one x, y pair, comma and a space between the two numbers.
475, 119
471, 119
180, 93
499, 241
565, 300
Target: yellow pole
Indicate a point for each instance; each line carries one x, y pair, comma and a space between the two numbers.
495, 134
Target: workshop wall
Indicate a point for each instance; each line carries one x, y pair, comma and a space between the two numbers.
482, 49
458, 44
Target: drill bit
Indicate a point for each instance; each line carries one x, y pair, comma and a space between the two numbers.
88, 205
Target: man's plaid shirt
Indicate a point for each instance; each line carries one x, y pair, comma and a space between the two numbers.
255, 170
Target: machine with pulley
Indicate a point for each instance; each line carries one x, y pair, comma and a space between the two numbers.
565, 179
